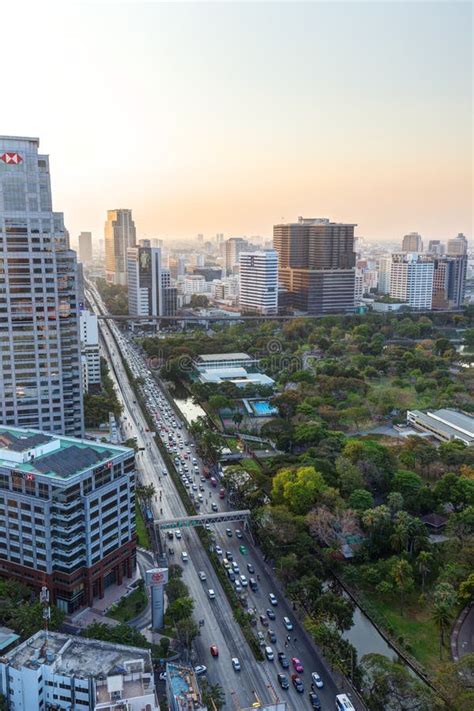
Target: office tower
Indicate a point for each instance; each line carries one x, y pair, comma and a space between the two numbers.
90, 354
411, 279
68, 509
232, 249
412, 242
169, 294
145, 281
219, 238
316, 264
385, 268
51, 670
84, 242
177, 266
120, 234
435, 247
358, 285
40, 374
259, 282
449, 282
457, 245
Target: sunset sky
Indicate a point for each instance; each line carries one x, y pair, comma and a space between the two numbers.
229, 117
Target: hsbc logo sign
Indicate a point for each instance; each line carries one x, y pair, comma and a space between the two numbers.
11, 158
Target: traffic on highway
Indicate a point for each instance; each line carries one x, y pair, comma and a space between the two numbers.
292, 670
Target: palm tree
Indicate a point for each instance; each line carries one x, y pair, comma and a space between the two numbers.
442, 616
402, 576
212, 695
423, 565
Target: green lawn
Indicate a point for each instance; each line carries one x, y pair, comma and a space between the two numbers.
142, 532
130, 606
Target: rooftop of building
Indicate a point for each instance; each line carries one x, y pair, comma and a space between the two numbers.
15, 139
317, 221
184, 686
34, 452
69, 655
208, 357
7, 638
452, 422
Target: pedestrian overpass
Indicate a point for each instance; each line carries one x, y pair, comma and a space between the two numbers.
164, 524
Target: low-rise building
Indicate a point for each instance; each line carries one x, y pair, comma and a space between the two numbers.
67, 514
444, 424
58, 671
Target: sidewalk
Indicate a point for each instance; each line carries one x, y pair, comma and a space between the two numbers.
462, 635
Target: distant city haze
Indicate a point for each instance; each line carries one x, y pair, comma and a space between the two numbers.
234, 117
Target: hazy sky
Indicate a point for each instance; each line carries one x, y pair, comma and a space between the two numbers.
229, 117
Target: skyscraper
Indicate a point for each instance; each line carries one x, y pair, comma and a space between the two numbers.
385, 268
232, 248
147, 282
449, 282
412, 242
457, 245
40, 361
411, 279
316, 264
120, 234
84, 242
435, 246
259, 282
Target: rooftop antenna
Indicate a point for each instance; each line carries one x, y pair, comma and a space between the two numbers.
44, 600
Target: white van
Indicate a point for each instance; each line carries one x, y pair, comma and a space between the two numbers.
269, 654
288, 624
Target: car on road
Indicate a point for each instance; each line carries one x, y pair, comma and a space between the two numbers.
297, 683
283, 659
228, 532
235, 664
269, 653
288, 624
250, 568
214, 506
261, 639
202, 576
184, 556
177, 533
214, 650
238, 586
200, 669
283, 681
170, 535
264, 620
235, 567
314, 700
271, 636
211, 594
271, 614
317, 681
243, 550
253, 584
231, 576
229, 556
272, 598
238, 533
297, 665
218, 550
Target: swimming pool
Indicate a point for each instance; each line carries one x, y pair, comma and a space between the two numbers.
262, 408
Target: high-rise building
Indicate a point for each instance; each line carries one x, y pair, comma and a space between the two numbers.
147, 282
449, 282
120, 234
258, 291
40, 371
411, 279
457, 245
177, 266
84, 243
231, 251
412, 242
67, 511
90, 354
316, 264
436, 247
385, 268
64, 672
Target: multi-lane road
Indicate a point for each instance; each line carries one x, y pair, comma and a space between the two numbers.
220, 628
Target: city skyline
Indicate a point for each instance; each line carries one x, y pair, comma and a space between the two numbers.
362, 118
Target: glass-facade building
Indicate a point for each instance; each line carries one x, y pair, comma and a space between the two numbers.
40, 362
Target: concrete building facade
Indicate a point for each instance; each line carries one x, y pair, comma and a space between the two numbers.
149, 284
411, 280
258, 287
67, 514
84, 243
40, 371
90, 353
412, 242
120, 234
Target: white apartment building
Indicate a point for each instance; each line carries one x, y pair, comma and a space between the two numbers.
385, 270
195, 284
67, 514
59, 671
358, 285
40, 372
90, 353
259, 282
411, 280
120, 234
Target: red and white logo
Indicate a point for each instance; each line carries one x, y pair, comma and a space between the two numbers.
14, 158
157, 578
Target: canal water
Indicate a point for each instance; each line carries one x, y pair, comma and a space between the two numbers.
365, 637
